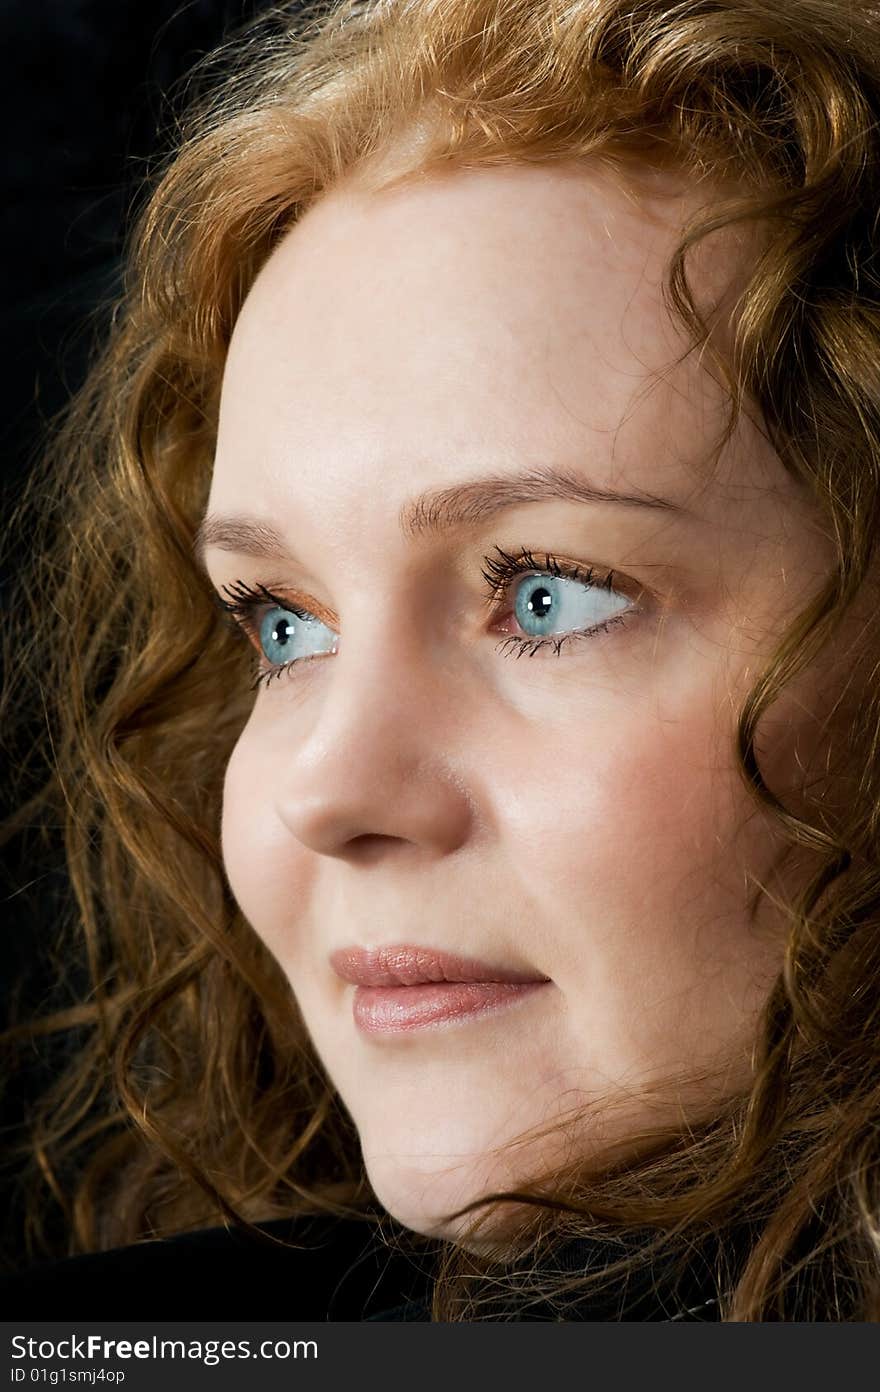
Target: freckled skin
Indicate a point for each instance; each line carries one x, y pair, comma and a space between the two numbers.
580, 815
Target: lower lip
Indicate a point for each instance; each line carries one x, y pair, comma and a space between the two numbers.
393, 1009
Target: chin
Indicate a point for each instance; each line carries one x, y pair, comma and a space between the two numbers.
421, 1193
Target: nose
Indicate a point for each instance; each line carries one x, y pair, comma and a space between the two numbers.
378, 763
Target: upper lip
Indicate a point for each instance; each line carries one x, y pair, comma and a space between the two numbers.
403, 964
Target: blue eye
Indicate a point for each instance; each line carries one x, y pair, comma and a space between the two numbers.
556, 602
550, 604
288, 635
284, 634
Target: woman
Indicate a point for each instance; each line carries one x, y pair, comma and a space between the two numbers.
458, 333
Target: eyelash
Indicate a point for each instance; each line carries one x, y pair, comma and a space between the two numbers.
244, 601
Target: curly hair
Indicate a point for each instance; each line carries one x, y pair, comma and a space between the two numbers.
190, 1092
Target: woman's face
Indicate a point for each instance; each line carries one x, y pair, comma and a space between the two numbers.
437, 770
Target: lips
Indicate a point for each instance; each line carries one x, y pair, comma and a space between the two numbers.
404, 989
405, 964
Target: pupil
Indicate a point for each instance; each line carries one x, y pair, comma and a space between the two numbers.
277, 635
540, 606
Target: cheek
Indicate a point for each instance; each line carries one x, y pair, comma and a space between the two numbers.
633, 878
634, 837
267, 870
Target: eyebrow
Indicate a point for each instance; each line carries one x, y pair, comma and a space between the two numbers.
436, 512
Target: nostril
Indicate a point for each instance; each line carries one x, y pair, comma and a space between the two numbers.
365, 849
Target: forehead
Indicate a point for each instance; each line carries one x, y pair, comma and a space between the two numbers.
509, 261
482, 317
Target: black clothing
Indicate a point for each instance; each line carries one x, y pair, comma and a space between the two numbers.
344, 1270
